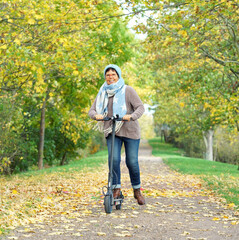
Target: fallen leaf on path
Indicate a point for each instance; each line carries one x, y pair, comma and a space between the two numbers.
101, 234
123, 234
55, 233
77, 234
185, 233
27, 235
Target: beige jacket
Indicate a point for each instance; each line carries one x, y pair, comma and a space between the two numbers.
134, 106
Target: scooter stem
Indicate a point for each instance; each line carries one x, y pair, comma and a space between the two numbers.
110, 178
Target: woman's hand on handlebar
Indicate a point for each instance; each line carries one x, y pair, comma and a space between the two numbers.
127, 117
99, 117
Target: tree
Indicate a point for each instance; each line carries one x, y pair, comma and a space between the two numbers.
53, 53
193, 45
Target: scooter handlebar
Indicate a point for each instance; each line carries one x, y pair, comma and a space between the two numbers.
116, 118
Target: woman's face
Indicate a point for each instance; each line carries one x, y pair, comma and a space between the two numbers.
111, 77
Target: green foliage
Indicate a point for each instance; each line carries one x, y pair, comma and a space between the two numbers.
97, 143
10, 138
190, 142
116, 43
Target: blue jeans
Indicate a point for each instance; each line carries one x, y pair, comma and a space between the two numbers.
131, 153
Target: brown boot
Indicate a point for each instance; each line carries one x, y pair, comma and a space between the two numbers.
116, 192
139, 197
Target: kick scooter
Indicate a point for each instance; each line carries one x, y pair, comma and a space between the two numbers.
109, 200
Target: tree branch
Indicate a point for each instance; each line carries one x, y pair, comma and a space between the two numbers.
221, 62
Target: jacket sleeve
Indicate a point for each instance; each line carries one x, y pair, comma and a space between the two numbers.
136, 103
92, 112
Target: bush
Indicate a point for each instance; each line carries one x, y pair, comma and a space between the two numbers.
19, 138
192, 145
226, 147
97, 143
10, 138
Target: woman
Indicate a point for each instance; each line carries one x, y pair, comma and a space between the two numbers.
114, 97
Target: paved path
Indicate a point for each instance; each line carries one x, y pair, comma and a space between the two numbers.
177, 209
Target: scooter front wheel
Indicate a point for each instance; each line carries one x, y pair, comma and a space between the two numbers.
108, 203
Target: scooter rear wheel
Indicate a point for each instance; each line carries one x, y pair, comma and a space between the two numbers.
118, 207
118, 204
108, 203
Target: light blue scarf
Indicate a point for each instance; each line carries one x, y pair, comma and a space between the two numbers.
118, 91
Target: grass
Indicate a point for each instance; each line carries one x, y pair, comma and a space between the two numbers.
222, 178
91, 162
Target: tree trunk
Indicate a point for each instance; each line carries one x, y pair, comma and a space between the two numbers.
208, 140
42, 136
42, 131
63, 159
165, 135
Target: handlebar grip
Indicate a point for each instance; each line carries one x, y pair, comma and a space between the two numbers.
105, 119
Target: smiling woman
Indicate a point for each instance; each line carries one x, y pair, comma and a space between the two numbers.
115, 98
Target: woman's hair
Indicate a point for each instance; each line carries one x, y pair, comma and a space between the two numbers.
112, 69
